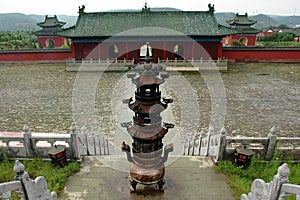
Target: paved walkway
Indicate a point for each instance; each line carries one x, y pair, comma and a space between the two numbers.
186, 178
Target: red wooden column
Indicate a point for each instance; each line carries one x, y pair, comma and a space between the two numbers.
127, 50
99, 50
73, 51
220, 50
165, 48
193, 50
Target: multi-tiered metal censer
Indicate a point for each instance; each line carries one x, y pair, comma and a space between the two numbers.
147, 155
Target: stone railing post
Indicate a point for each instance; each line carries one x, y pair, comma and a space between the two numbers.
19, 170
272, 190
272, 143
280, 178
209, 133
74, 142
31, 190
202, 135
28, 142
86, 144
222, 145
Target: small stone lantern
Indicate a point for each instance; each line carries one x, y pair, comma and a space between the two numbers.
58, 156
243, 156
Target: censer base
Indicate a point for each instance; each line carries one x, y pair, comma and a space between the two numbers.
146, 176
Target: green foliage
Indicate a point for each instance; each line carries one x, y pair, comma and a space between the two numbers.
17, 40
65, 46
279, 37
240, 179
56, 177
237, 43
278, 44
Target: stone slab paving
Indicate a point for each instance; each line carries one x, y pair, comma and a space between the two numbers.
186, 178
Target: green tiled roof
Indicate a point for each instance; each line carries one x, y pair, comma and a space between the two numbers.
47, 32
249, 30
102, 24
51, 22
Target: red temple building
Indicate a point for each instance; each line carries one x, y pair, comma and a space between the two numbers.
97, 35
246, 34
47, 36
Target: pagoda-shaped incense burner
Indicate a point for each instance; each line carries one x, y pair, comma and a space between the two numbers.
148, 154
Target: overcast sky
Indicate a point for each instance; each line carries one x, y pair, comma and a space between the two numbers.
70, 7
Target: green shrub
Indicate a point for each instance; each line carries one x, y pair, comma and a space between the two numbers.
237, 43
240, 179
56, 177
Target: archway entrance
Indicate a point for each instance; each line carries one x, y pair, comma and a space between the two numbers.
244, 41
113, 51
178, 51
143, 52
50, 43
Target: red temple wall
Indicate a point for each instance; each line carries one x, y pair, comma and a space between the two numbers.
58, 41
161, 50
251, 39
260, 54
35, 55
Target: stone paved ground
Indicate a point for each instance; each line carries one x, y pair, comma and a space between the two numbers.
187, 178
41, 96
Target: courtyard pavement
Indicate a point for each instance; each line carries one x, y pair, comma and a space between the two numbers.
186, 178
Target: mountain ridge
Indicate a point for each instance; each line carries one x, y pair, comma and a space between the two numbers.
20, 21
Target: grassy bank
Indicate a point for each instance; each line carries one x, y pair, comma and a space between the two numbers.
240, 179
56, 177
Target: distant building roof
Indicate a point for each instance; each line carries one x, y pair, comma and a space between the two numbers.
51, 22
241, 20
50, 26
243, 24
102, 24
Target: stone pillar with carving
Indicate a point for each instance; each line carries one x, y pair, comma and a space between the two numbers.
280, 178
19, 170
272, 143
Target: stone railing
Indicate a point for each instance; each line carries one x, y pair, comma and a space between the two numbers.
106, 64
30, 145
221, 147
278, 189
184, 62
25, 187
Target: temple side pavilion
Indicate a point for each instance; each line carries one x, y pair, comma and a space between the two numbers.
47, 36
246, 34
96, 36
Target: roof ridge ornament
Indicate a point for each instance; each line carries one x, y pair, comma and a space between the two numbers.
81, 9
211, 8
145, 9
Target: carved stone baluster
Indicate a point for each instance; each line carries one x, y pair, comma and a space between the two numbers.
272, 143
19, 170
5, 195
280, 178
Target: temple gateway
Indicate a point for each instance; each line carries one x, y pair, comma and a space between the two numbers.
98, 35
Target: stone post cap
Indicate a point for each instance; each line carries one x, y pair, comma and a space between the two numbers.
19, 167
284, 170
83, 129
26, 128
202, 133
73, 128
223, 131
273, 130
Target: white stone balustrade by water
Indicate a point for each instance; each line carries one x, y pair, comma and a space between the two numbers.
25, 187
215, 144
219, 146
31, 145
278, 189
